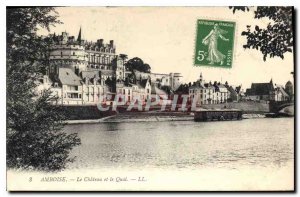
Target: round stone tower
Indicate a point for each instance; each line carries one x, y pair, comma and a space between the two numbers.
289, 88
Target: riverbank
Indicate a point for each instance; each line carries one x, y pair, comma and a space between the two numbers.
150, 117
153, 116
91, 114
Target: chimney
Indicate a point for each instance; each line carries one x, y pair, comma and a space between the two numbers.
111, 43
100, 74
95, 80
77, 71
100, 42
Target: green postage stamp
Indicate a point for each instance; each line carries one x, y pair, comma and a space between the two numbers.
214, 43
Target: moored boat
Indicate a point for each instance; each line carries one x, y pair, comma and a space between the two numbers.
217, 115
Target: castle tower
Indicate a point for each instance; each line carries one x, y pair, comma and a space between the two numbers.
175, 81
67, 52
120, 70
289, 88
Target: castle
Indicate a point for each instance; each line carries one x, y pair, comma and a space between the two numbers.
82, 73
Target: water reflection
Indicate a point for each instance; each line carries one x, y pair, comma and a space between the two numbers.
253, 142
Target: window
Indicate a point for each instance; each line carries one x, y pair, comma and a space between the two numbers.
73, 53
76, 88
61, 54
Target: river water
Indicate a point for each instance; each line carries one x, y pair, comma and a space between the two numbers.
184, 144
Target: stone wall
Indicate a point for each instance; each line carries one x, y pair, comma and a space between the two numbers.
246, 107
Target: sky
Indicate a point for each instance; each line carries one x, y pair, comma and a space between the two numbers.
164, 37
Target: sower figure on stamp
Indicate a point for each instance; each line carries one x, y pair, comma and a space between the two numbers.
215, 56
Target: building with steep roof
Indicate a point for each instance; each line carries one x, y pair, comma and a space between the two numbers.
267, 92
233, 93
221, 93
261, 91
208, 93
145, 88
71, 87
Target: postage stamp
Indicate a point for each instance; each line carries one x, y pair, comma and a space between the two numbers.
214, 43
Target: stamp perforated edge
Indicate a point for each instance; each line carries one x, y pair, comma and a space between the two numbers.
234, 42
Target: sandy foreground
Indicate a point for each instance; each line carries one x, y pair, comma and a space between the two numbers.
202, 179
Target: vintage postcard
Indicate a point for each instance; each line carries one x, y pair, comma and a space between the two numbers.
150, 98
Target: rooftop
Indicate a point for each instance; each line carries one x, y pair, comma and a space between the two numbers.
68, 77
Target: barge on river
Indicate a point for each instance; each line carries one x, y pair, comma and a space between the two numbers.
217, 114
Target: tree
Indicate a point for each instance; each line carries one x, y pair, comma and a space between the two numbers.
167, 89
137, 64
274, 40
34, 136
111, 82
183, 89
131, 78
